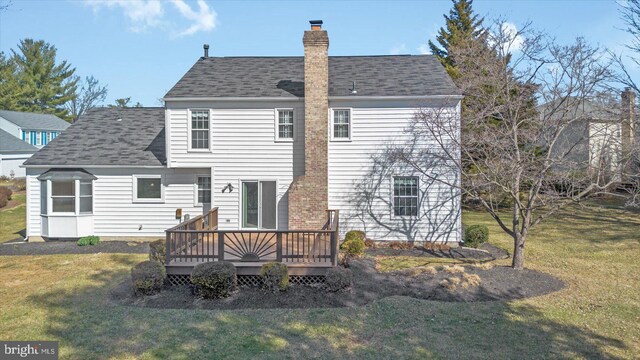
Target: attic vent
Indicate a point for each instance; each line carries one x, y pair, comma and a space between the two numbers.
206, 50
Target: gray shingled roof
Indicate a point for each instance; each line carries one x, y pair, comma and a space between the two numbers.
393, 75
108, 136
33, 121
10, 144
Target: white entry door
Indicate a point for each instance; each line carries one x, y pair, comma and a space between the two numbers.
259, 205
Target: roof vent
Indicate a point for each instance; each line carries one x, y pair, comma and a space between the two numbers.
206, 51
353, 88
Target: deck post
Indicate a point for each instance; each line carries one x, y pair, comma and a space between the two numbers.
220, 245
167, 255
279, 246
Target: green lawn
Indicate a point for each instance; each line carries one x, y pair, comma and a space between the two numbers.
65, 298
13, 220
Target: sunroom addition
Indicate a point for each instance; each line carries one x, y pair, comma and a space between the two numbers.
66, 199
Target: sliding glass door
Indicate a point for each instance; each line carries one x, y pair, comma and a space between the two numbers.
259, 205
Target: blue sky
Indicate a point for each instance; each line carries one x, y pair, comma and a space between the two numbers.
141, 48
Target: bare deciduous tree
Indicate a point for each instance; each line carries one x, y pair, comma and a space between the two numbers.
507, 151
89, 94
630, 11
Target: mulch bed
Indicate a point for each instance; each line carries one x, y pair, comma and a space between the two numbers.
486, 252
70, 247
497, 283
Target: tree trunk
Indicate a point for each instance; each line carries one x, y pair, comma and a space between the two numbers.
518, 251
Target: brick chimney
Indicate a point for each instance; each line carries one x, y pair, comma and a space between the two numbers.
308, 194
629, 132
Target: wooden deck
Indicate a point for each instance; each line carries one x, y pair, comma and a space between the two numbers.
305, 252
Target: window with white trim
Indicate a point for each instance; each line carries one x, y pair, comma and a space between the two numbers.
199, 129
204, 189
341, 124
405, 196
147, 188
86, 197
285, 124
38, 138
63, 196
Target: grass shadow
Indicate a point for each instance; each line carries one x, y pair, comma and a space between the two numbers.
89, 326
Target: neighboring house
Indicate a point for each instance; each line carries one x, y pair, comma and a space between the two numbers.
602, 131
13, 153
21, 135
272, 142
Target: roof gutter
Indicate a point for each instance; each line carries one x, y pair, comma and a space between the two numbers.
93, 166
280, 98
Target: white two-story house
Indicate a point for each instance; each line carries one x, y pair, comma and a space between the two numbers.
272, 142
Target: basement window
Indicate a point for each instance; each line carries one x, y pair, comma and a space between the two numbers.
341, 124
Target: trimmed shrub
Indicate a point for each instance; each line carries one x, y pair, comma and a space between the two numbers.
370, 244
88, 240
475, 235
355, 234
275, 276
338, 279
158, 251
353, 247
148, 277
6, 192
214, 280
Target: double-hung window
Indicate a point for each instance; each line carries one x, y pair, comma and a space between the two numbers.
405, 196
86, 197
45, 140
63, 196
285, 124
200, 129
203, 189
147, 188
341, 124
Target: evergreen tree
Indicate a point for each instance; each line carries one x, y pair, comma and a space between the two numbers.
45, 86
462, 25
9, 88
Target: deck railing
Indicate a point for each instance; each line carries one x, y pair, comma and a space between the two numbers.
199, 240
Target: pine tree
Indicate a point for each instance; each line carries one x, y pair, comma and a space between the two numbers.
9, 89
461, 25
45, 86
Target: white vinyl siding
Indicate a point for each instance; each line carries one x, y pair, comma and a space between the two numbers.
242, 148
350, 163
114, 212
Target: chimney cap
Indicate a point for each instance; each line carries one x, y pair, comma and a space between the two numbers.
206, 46
315, 22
